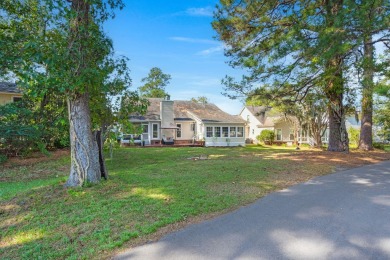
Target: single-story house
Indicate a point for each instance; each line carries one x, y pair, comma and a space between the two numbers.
186, 122
9, 93
259, 118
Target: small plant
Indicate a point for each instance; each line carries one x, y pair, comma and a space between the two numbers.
3, 158
266, 136
354, 135
379, 146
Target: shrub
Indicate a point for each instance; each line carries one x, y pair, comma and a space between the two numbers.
3, 158
19, 140
266, 136
354, 136
379, 146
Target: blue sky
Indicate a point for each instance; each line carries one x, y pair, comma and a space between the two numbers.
177, 37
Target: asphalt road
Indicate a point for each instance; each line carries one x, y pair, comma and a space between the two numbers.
345, 215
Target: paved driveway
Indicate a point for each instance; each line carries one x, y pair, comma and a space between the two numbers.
339, 216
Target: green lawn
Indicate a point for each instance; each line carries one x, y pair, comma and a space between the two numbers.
148, 188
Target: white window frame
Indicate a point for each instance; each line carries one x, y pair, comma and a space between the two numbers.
143, 128
234, 132
209, 133
228, 132
178, 131
242, 131
153, 132
281, 134
215, 131
291, 133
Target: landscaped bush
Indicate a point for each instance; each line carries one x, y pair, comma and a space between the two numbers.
266, 136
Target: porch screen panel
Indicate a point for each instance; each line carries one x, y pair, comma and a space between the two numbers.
240, 131
225, 131
209, 131
217, 132
232, 131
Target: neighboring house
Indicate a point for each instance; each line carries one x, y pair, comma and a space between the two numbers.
259, 118
9, 93
185, 122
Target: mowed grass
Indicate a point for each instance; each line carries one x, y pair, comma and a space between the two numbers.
148, 189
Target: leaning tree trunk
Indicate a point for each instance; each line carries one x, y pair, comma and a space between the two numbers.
365, 142
85, 165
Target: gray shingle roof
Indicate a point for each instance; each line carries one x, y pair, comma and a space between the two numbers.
208, 113
9, 87
186, 110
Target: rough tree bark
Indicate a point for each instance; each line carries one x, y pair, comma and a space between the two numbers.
334, 89
338, 135
365, 141
85, 165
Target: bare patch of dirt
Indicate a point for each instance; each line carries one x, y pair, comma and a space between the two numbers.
35, 158
339, 161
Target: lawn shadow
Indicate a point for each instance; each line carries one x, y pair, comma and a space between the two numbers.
344, 215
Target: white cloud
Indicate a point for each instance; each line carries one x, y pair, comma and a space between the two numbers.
202, 11
211, 50
192, 40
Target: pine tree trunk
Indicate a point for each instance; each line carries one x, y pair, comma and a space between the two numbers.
334, 89
84, 151
365, 142
338, 135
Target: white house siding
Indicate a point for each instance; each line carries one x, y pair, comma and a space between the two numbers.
285, 126
252, 129
148, 136
224, 141
186, 132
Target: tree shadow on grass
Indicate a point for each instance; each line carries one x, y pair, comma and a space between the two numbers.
344, 215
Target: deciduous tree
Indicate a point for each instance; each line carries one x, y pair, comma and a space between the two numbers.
59, 46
